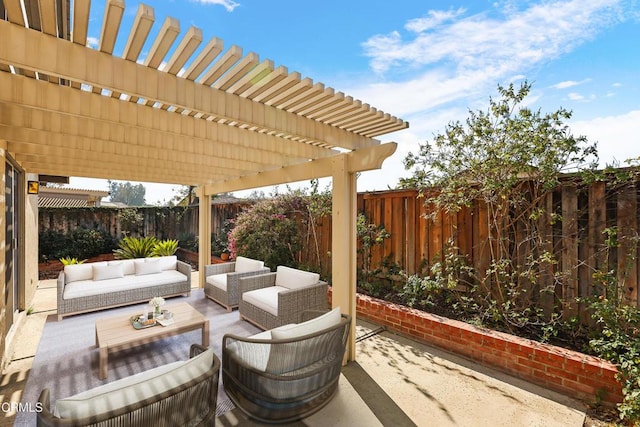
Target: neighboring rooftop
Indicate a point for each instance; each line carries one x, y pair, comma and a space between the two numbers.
55, 197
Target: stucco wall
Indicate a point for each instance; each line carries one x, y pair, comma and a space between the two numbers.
3, 314
30, 253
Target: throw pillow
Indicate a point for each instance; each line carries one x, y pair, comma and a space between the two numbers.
143, 268
166, 262
77, 272
104, 272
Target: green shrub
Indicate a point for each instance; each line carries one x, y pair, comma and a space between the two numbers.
80, 243
188, 241
144, 247
135, 247
71, 261
165, 248
618, 341
52, 244
275, 230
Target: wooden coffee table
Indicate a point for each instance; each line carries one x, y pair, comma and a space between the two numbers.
117, 333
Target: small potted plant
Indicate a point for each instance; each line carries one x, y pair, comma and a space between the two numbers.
225, 254
157, 303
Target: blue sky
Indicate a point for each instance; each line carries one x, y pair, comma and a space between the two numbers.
428, 62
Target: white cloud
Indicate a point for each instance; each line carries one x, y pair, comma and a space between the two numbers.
433, 19
93, 42
575, 96
509, 42
227, 4
569, 83
618, 137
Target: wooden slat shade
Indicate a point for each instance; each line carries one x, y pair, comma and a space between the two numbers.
206, 117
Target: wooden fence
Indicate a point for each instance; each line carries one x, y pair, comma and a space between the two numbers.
575, 224
161, 222
577, 216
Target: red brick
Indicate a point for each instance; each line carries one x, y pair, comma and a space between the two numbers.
531, 363
561, 373
581, 388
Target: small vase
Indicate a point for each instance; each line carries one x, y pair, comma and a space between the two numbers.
157, 312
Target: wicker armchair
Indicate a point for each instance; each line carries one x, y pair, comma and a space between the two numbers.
283, 380
191, 403
222, 280
276, 299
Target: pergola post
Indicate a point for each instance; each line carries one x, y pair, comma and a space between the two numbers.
344, 244
204, 233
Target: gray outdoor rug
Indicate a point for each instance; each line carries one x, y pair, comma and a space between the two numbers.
67, 360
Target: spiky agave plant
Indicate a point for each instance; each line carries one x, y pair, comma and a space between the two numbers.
165, 247
135, 247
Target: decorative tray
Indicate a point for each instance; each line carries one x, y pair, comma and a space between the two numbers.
138, 325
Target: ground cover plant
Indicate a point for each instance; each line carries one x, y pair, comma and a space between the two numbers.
508, 160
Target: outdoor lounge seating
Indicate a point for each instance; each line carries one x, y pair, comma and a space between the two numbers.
99, 285
222, 283
287, 373
276, 299
179, 393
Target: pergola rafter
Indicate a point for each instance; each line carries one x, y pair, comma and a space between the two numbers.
219, 120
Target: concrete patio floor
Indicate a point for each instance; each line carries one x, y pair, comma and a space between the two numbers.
395, 382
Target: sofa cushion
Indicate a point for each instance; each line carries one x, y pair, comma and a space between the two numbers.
128, 268
292, 278
85, 288
218, 280
143, 268
265, 299
245, 265
311, 326
77, 272
104, 272
165, 262
133, 389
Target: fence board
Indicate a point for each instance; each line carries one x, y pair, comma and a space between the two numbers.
412, 223
570, 248
627, 250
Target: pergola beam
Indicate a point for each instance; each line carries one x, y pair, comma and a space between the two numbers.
50, 104
360, 160
98, 69
81, 10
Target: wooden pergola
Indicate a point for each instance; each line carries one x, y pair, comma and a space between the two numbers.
208, 117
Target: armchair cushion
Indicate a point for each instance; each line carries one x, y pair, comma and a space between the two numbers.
136, 388
292, 278
311, 326
218, 280
265, 299
245, 265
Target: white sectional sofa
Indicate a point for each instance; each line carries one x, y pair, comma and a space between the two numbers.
100, 285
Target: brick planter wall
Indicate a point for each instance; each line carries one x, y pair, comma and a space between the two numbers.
569, 372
